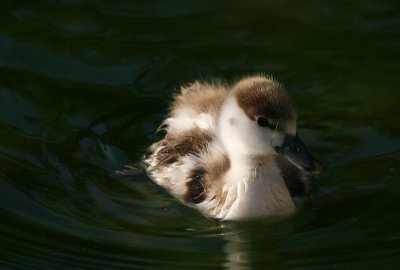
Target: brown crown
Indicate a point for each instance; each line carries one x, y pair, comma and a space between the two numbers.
259, 96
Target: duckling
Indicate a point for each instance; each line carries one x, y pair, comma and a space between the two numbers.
233, 152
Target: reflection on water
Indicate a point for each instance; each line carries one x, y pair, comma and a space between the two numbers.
83, 86
243, 239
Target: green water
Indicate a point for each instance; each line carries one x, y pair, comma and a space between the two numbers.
84, 84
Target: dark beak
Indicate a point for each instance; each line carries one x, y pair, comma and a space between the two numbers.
296, 152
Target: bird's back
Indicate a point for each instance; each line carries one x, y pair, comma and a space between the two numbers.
188, 159
196, 106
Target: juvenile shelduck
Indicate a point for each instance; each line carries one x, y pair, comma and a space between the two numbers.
233, 152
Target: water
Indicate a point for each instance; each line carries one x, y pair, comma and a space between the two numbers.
84, 84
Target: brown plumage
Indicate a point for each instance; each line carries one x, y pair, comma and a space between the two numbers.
173, 147
267, 99
194, 143
192, 161
201, 97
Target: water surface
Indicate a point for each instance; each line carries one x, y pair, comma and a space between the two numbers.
84, 85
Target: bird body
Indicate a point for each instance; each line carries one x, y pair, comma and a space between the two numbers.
232, 152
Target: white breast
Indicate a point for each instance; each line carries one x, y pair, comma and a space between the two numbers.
260, 192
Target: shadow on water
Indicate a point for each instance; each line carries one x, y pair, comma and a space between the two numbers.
84, 85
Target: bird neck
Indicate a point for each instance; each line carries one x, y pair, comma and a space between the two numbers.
254, 166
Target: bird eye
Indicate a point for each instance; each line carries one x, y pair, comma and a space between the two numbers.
262, 122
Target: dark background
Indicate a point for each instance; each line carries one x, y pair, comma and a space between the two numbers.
84, 85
